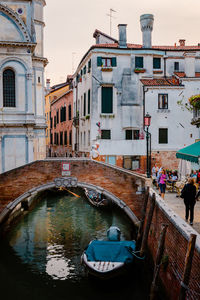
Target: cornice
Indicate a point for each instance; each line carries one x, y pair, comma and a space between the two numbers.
14, 16
40, 59
18, 44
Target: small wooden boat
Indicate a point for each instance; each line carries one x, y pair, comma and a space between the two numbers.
96, 198
110, 258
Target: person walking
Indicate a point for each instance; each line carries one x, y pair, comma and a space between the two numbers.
162, 183
188, 194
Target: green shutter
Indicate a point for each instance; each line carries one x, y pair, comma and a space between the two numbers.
99, 61
138, 62
107, 100
114, 62
129, 135
88, 102
84, 105
156, 63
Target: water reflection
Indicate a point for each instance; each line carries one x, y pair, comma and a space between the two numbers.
44, 250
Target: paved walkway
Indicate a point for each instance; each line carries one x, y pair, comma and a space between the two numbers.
177, 205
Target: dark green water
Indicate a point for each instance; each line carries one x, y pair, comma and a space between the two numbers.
40, 257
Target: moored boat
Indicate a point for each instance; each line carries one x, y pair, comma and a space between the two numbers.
109, 258
96, 198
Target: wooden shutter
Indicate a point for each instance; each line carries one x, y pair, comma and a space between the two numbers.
84, 104
114, 62
156, 63
107, 100
139, 62
99, 61
88, 102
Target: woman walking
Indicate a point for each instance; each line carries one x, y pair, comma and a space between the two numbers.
162, 183
188, 193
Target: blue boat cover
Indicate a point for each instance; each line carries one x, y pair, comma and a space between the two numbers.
113, 251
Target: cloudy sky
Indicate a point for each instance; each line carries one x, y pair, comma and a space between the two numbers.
70, 26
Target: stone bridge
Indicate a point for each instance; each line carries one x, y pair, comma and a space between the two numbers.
123, 187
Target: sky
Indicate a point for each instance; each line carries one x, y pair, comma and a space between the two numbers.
70, 25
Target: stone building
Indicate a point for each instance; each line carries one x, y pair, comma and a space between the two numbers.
22, 62
61, 121
116, 83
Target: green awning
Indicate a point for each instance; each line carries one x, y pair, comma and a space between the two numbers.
191, 153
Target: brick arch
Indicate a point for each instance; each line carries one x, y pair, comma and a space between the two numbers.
26, 199
125, 186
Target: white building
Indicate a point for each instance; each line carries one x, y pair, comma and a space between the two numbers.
117, 83
22, 119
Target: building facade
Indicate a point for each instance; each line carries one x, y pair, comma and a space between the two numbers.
22, 119
117, 83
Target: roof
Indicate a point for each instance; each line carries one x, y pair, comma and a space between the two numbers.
97, 32
182, 74
190, 153
138, 46
173, 81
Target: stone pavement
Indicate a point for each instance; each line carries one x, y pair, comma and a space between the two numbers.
177, 205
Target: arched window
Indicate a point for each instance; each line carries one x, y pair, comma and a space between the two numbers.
9, 88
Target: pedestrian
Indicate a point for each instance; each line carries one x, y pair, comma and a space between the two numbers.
188, 194
162, 183
198, 178
154, 174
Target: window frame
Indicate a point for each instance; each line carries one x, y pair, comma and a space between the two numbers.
109, 110
134, 134
12, 102
156, 59
103, 131
138, 60
160, 105
161, 139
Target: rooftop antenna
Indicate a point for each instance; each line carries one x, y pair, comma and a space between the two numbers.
111, 16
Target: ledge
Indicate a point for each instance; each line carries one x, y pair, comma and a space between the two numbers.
106, 69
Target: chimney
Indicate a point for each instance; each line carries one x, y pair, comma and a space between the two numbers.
146, 22
122, 35
48, 84
182, 42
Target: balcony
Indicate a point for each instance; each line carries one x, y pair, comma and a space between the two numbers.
196, 117
76, 121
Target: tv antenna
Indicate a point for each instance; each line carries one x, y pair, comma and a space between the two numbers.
111, 16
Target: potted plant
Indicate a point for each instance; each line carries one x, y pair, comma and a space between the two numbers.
139, 70
195, 101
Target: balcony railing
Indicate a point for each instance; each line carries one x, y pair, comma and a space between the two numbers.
196, 117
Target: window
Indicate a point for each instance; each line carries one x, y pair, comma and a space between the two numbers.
105, 134
51, 123
162, 101
65, 138
51, 138
55, 138
84, 70
38, 79
163, 136
54, 121
69, 112
89, 65
176, 66
106, 62
84, 105
88, 137
9, 88
107, 100
61, 138
84, 138
156, 63
57, 116
138, 62
132, 134
70, 138
88, 102
63, 114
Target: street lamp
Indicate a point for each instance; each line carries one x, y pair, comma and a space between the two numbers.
147, 123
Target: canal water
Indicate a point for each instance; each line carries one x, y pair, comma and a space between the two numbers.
40, 256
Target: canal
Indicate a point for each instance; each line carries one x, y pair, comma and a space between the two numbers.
40, 255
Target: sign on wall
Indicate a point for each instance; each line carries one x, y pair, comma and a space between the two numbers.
66, 169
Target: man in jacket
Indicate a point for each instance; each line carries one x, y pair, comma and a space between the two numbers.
188, 193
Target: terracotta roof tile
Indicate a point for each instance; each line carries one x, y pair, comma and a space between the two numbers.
182, 74
161, 82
